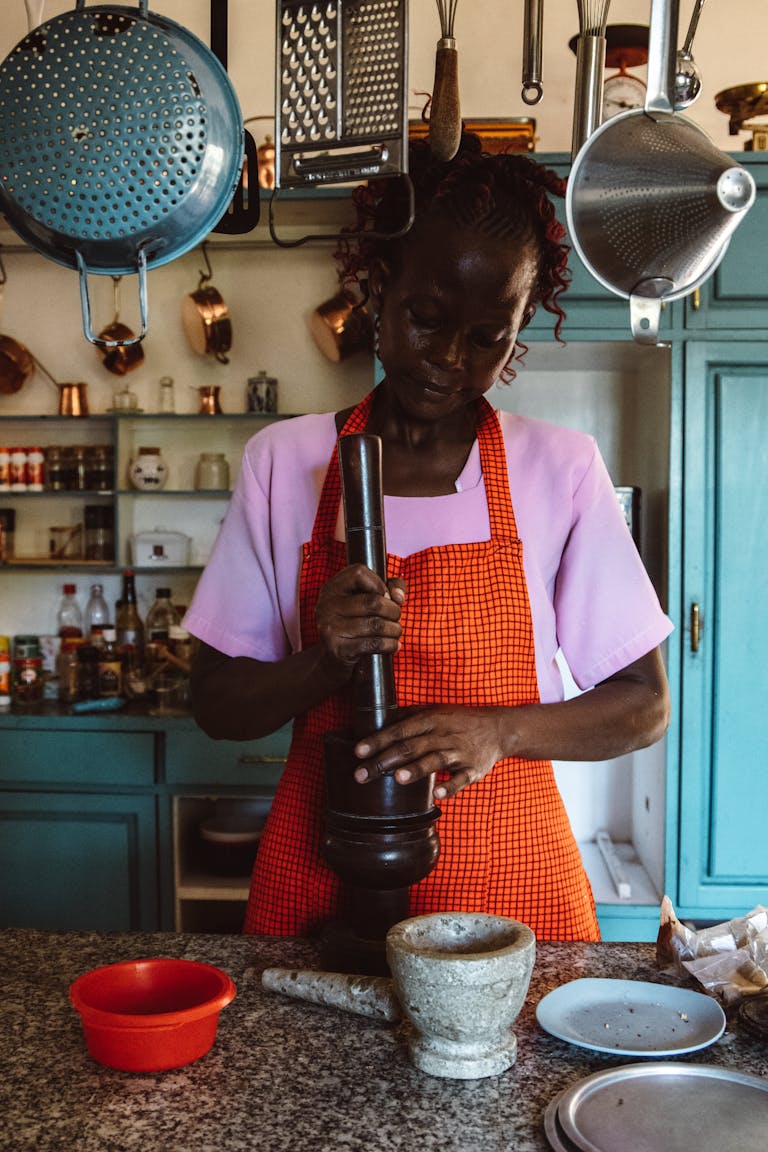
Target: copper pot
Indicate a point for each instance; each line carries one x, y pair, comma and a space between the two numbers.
16, 365
122, 358
206, 322
342, 326
73, 399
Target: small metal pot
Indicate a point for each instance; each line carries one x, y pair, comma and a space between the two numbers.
206, 322
16, 365
342, 326
73, 399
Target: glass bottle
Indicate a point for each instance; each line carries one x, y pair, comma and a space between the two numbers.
69, 617
67, 668
88, 672
161, 617
110, 666
96, 610
128, 624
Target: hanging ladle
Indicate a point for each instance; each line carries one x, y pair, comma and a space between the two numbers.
687, 75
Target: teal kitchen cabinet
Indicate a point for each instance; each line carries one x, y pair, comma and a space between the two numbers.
79, 826
78, 861
735, 298
723, 717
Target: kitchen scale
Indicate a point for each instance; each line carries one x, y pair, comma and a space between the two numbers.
740, 105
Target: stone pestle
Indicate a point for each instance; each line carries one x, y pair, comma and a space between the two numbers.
371, 996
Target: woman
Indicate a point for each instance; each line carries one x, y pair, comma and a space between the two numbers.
505, 542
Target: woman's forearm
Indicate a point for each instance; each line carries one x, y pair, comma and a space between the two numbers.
237, 698
623, 713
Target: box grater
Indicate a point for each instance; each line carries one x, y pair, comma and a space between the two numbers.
341, 91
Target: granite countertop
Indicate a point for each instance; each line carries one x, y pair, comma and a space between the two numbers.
284, 1075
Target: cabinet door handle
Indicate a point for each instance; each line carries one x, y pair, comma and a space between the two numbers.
696, 299
696, 627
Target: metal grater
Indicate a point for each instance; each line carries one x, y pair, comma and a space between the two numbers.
341, 91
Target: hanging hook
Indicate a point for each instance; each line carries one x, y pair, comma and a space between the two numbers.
208, 274
116, 297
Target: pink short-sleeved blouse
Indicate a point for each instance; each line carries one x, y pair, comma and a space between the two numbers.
589, 593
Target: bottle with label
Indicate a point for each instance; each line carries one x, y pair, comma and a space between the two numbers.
87, 672
96, 610
161, 617
67, 666
110, 666
27, 677
69, 617
128, 624
5, 673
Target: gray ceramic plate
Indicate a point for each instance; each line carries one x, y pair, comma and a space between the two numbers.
631, 1017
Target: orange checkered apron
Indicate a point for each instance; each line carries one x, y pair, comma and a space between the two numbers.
506, 844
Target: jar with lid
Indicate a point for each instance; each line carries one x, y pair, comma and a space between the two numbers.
78, 476
100, 467
5, 469
148, 471
7, 534
35, 469
18, 469
166, 396
58, 468
27, 672
212, 471
99, 532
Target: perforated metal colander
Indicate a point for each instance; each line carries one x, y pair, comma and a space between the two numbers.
121, 141
341, 90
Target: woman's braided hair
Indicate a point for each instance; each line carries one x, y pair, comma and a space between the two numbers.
503, 195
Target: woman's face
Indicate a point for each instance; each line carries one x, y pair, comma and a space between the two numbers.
450, 315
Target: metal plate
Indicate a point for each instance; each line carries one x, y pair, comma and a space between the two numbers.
631, 1017
672, 1107
553, 1129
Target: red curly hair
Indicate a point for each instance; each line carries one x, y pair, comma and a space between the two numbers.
503, 195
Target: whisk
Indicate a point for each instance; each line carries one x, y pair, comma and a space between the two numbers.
590, 63
445, 113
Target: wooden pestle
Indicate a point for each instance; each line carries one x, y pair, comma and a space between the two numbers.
374, 699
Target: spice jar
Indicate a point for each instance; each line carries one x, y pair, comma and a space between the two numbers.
78, 479
35, 469
7, 534
148, 471
212, 471
5, 469
18, 469
58, 468
99, 467
99, 532
27, 672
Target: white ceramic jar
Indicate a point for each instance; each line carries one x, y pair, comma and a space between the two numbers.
148, 471
212, 471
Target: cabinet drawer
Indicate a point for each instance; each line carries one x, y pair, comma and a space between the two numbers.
193, 758
58, 756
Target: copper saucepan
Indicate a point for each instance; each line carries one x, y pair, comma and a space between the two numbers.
342, 326
16, 365
205, 318
117, 345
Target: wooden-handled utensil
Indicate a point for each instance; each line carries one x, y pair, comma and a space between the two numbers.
445, 113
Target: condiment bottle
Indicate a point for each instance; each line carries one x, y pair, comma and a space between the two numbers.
96, 610
128, 624
69, 617
67, 666
161, 617
5, 673
110, 667
88, 672
27, 675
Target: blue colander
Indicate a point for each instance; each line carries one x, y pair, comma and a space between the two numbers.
121, 142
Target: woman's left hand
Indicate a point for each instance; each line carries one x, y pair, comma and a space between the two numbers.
466, 742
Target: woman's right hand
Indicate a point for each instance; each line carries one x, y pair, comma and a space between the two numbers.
358, 614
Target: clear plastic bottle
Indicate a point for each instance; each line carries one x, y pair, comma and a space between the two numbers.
96, 610
69, 617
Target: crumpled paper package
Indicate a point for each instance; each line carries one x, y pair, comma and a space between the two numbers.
729, 959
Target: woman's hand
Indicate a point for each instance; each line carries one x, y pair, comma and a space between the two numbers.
466, 742
358, 614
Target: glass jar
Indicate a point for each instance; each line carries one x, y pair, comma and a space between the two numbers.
78, 476
88, 672
27, 674
58, 468
7, 534
212, 471
148, 471
100, 467
99, 532
5, 469
166, 397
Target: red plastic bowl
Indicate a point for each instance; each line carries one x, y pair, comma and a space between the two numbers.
148, 1015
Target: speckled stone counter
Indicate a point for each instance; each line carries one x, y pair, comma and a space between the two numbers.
283, 1076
